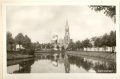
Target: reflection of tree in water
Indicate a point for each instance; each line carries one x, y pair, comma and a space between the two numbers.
49, 57
75, 61
105, 67
87, 65
39, 57
25, 66
80, 62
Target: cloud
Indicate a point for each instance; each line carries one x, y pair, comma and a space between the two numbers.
41, 22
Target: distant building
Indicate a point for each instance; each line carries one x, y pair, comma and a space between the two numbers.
54, 41
67, 36
59, 43
18, 47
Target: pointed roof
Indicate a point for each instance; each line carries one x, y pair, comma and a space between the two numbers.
67, 26
67, 35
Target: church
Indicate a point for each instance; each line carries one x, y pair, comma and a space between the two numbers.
59, 43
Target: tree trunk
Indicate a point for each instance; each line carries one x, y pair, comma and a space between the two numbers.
113, 49
110, 49
94, 49
105, 48
98, 48
19, 47
11, 47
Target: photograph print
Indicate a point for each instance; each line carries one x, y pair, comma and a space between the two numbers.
61, 39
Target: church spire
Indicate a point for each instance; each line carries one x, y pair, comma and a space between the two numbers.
67, 35
66, 27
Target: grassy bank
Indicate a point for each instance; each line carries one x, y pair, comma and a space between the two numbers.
18, 61
17, 56
102, 55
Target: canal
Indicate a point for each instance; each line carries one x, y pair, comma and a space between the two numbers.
58, 63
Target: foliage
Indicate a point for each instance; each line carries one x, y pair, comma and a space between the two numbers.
10, 41
112, 37
48, 46
58, 47
71, 45
109, 11
79, 45
19, 39
106, 40
112, 40
98, 42
87, 43
26, 42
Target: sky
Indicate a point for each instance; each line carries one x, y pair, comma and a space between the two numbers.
40, 23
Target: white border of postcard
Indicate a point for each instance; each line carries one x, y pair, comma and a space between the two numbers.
63, 75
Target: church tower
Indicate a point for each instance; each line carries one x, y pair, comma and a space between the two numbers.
67, 35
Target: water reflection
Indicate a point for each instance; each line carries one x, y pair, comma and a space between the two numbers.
98, 66
80, 62
66, 64
62, 63
25, 66
54, 60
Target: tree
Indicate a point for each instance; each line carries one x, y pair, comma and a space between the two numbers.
37, 46
43, 46
105, 41
79, 45
19, 39
72, 45
57, 47
109, 11
33, 45
93, 40
98, 42
26, 42
10, 41
48, 46
112, 40
86, 43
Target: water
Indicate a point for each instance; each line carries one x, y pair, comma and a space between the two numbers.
57, 63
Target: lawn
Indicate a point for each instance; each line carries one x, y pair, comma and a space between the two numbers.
102, 55
17, 56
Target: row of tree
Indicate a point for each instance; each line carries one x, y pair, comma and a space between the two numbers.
42, 46
20, 40
104, 41
25, 42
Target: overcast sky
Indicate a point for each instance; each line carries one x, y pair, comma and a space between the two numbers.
40, 23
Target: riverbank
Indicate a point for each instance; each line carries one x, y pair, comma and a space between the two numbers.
101, 55
17, 56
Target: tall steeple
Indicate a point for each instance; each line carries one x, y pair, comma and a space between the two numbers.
67, 35
66, 27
